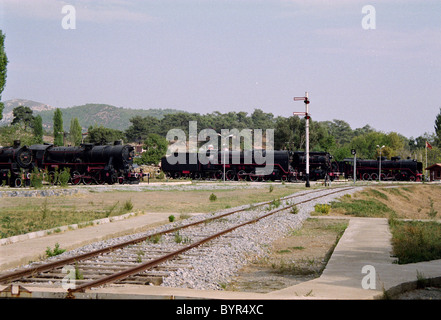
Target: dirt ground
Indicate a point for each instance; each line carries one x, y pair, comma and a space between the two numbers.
183, 201
298, 257
303, 254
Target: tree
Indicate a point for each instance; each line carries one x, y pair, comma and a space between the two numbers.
75, 132
23, 115
58, 128
141, 127
37, 128
438, 129
156, 148
3, 64
102, 135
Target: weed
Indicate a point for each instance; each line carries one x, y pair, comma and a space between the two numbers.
78, 272
36, 179
213, 197
44, 210
184, 216
322, 208
432, 212
422, 281
111, 209
274, 204
55, 252
171, 218
139, 254
294, 210
416, 241
363, 208
178, 237
63, 177
271, 188
155, 239
378, 194
128, 205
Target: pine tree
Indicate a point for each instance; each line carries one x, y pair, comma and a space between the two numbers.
438, 129
75, 132
58, 128
3, 63
38, 129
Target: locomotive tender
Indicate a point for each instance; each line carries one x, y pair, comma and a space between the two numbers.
87, 163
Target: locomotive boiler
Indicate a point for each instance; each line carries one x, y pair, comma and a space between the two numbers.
15, 164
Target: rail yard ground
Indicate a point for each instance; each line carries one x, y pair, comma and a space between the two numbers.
302, 255
297, 257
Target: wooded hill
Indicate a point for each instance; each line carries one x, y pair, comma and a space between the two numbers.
88, 114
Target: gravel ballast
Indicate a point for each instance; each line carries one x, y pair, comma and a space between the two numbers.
212, 265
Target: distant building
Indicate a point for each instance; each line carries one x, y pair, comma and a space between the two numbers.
435, 172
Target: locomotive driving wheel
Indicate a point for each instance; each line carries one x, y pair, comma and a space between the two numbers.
76, 178
230, 175
241, 175
253, 176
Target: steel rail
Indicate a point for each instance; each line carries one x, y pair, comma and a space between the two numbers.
150, 264
15, 275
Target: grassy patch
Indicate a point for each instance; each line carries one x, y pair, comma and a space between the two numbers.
19, 216
29, 218
362, 208
376, 194
303, 252
415, 241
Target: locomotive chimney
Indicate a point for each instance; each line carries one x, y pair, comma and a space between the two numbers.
117, 142
17, 144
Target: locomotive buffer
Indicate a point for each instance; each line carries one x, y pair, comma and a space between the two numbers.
307, 117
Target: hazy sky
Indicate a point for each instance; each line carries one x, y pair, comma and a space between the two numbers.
233, 55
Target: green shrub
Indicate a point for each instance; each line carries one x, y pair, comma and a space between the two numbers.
128, 205
322, 208
213, 197
363, 208
36, 178
415, 241
64, 176
55, 252
294, 210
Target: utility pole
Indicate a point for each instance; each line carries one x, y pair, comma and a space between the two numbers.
354, 152
379, 170
307, 117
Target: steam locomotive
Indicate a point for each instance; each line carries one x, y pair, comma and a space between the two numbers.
252, 165
15, 164
87, 163
286, 166
392, 170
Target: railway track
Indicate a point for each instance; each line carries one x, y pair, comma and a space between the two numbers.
149, 258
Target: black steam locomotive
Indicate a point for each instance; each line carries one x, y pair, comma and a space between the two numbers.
247, 165
87, 163
391, 170
15, 164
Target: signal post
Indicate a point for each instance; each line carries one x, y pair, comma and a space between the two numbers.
307, 117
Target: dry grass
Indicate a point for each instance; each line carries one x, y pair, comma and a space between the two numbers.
21, 215
406, 202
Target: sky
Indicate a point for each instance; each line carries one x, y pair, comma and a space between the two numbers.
364, 62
